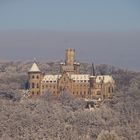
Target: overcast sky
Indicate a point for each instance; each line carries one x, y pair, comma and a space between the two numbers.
104, 31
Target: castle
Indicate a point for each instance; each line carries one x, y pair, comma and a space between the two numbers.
70, 80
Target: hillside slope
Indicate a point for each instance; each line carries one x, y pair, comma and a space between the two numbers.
66, 118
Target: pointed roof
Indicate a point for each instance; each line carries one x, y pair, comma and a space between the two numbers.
93, 70
34, 68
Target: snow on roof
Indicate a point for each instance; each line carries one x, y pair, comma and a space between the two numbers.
52, 78
104, 78
34, 68
79, 77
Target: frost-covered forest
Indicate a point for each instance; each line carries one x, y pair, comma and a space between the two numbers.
66, 118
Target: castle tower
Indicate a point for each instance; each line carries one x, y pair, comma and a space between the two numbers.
34, 76
70, 65
70, 56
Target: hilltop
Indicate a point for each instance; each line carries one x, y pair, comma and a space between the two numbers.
66, 118
13, 74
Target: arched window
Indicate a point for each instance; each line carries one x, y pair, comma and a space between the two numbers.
109, 90
33, 85
98, 93
37, 85
33, 76
37, 77
112, 89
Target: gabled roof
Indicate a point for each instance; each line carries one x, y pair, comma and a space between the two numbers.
52, 78
80, 78
34, 68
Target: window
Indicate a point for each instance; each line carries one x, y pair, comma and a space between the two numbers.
109, 90
98, 93
33, 85
33, 76
32, 92
112, 89
37, 85
37, 77
37, 93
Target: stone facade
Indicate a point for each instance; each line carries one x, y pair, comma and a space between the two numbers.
70, 80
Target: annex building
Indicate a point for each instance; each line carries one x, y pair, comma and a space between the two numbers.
70, 80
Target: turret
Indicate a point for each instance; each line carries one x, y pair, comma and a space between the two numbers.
92, 80
93, 76
93, 70
34, 76
76, 67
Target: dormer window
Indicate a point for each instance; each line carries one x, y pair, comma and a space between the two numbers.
99, 78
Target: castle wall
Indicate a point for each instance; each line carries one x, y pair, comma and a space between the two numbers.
80, 85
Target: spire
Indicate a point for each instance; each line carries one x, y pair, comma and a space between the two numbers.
35, 60
93, 70
34, 68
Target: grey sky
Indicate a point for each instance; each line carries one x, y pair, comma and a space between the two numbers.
71, 15
115, 48
103, 31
